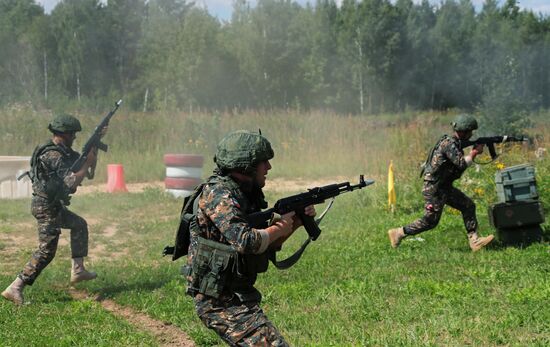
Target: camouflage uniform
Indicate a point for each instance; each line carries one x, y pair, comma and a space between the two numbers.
50, 212
446, 165
221, 216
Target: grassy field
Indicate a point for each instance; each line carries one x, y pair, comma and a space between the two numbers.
349, 289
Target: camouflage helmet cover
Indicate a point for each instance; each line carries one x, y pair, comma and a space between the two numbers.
464, 122
64, 123
242, 150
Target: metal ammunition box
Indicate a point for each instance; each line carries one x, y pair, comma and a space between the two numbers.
516, 183
516, 214
523, 235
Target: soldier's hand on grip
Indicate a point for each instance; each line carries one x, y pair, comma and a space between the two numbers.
285, 224
92, 157
308, 211
479, 148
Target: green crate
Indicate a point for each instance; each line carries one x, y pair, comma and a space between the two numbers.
516, 214
520, 236
516, 183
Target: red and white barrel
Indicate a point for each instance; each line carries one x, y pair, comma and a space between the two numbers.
183, 173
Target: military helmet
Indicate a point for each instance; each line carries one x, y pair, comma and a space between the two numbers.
464, 122
64, 123
242, 149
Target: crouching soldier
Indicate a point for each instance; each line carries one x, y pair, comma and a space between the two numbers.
52, 183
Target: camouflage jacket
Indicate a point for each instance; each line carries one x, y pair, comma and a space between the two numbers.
53, 170
446, 162
222, 211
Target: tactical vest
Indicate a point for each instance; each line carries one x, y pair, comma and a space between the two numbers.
427, 166
216, 267
45, 181
444, 174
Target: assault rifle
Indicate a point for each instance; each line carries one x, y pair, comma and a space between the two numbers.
262, 220
490, 142
94, 141
298, 203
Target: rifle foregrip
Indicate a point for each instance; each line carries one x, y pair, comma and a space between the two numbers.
310, 225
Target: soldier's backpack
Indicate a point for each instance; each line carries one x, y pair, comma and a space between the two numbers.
49, 182
428, 163
188, 220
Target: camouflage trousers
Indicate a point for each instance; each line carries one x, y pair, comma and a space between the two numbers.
238, 323
435, 199
50, 220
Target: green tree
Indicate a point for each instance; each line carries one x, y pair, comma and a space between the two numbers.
416, 66
158, 52
195, 57
19, 73
502, 109
263, 41
77, 26
321, 60
123, 30
451, 41
371, 40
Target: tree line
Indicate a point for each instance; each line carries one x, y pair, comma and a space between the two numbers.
367, 56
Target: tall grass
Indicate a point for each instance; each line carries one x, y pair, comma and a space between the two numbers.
306, 145
310, 145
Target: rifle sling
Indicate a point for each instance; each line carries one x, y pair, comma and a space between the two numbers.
290, 261
293, 259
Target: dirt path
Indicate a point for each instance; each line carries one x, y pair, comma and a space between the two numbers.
132, 187
166, 334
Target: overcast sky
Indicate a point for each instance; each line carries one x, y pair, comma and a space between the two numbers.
222, 8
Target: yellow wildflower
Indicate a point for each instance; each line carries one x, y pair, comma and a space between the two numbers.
479, 191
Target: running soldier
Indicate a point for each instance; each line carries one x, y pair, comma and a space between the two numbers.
52, 183
444, 165
226, 253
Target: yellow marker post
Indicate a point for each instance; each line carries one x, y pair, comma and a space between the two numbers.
392, 199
